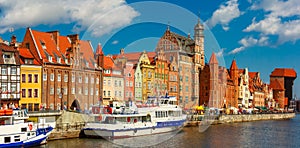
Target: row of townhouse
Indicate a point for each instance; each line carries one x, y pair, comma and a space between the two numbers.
234, 87
49, 71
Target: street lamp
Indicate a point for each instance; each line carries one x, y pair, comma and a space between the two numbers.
61, 94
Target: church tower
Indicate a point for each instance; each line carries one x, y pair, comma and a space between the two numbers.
199, 44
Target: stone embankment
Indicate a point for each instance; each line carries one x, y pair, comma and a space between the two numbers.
253, 117
194, 120
69, 125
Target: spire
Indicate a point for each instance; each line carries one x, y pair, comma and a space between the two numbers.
233, 65
99, 50
213, 59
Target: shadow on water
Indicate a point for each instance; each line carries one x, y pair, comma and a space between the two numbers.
270, 133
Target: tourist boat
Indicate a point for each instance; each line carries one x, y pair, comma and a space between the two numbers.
154, 117
15, 132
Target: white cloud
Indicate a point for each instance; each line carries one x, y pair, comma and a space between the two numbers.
220, 53
224, 14
250, 42
281, 19
236, 50
105, 14
115, 42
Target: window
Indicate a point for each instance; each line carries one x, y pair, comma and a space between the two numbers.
86, 79
92, 80
96, 92
52, 77
7, 140
120, 93
23, 78
13, 88
108, 93
73, 77
29, 93
79, 90
127, 83
51, 91
13, 70
92, 91
58, 90
186, 79
104, 93
120, 83
65, 90
187, 88
149, 85
80, 79
35, 93
36, 77
23, 93
97, 80
131, 84
45, 77
29, 78
116, 93
149, 74
58, 77
104, 82
73, 90
116, 83
108, 82
4, 71
86, 91
66, 78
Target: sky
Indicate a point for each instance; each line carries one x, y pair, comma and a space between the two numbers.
260, 35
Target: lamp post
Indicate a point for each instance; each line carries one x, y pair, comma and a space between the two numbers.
61, 98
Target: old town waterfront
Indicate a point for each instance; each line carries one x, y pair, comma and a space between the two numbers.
278, 133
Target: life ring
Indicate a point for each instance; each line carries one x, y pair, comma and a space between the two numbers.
100, 118
30, 126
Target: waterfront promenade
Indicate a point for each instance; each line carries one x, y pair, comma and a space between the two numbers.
69, 124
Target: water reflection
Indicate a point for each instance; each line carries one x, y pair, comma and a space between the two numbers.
280, 133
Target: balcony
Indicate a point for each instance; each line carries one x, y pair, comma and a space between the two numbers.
9, 61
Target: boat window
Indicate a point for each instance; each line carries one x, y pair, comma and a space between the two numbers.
17, 138
24, 129
6, 139
166, 102
32, 134
28, 134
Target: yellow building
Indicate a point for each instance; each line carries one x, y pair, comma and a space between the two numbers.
31, 81
148, 73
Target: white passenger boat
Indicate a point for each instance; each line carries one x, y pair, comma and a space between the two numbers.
118, 121
15, 132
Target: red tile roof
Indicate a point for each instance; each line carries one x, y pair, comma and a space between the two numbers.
108, 62
284, 72
24, 52
88, 54
252, 74
99, 50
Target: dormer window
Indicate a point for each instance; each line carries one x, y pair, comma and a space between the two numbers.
49, 58
58, 60
43, 44
28, 61
87, 64
66, 61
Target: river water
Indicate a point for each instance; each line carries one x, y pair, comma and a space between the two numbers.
271, 133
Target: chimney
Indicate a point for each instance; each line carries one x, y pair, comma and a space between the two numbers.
74, 38
55, 37
122, 51
13, 41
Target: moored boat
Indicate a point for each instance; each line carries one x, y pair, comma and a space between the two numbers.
16, 132
118, 121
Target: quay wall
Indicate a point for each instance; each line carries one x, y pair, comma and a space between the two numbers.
69, 124
253, 117
194, 120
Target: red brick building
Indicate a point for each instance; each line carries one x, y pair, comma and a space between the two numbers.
281, 81
72, 77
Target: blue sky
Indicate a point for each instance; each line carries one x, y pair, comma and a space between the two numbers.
259, 34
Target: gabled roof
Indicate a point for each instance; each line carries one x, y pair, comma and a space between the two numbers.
7, 48
252, 74
108, 62
87, 50
284, 72
276, 85
99, 50
47, 46
26, 54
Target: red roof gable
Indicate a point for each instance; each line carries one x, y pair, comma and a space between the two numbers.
88, 54
284, 72
213, 59
233, 65
252, 74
